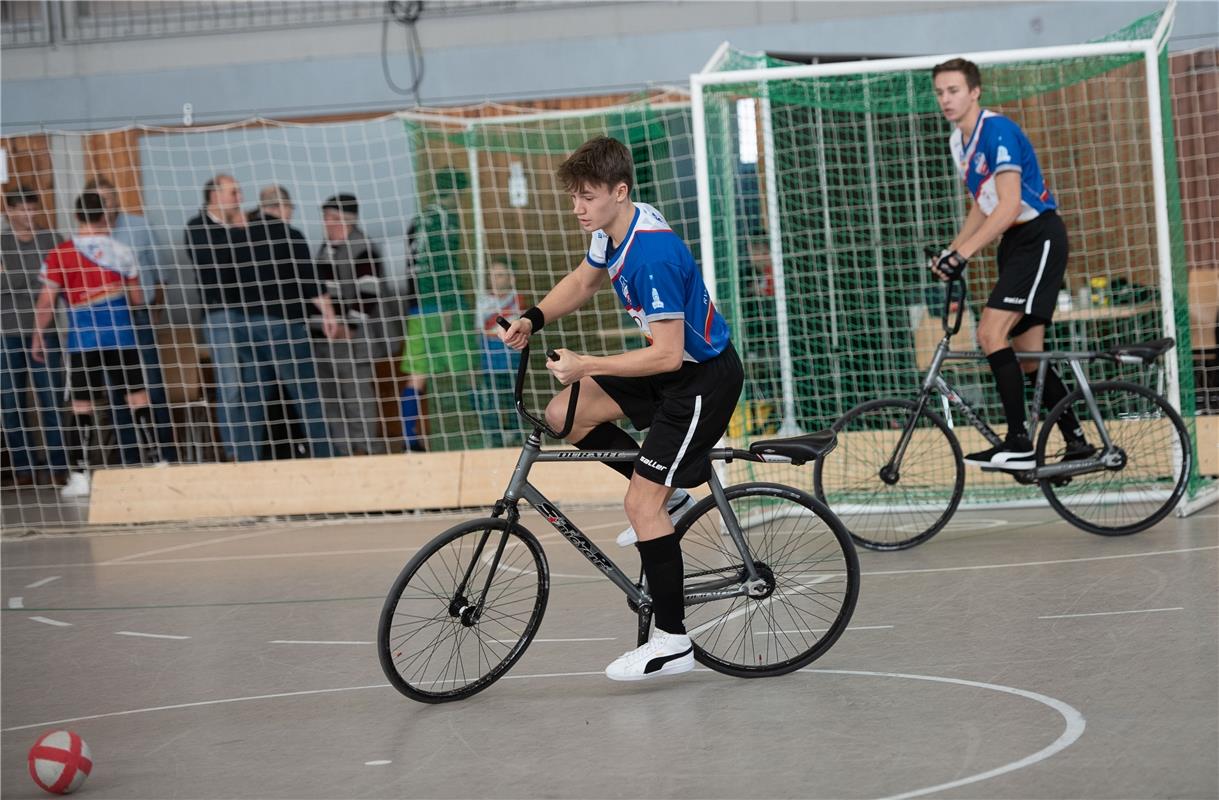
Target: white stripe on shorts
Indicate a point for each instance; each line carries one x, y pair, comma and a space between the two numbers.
698, 410
1045, 254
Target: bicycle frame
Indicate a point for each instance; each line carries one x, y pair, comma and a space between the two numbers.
934, 381
519, 488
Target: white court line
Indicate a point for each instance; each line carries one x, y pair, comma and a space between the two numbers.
325, 553
1112, 613
188, 546
1040, 563
1075, 723
554, 641
823, 630
42, 582
499, 641
55, 622
207, 559
309, 641
149, 635
16, 602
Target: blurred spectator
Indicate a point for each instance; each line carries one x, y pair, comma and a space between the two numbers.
133, 231
437, 339
759, 315
100, 278
499, 361
349, 266
220, 249
277, 309
23, 248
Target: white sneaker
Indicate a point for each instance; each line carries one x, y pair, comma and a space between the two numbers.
664, 654
679, 503
77, 486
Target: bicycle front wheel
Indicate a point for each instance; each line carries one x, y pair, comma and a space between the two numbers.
1152, 460
451, 626
887, 505
805, 556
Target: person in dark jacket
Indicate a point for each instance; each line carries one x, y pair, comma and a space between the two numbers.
350, 267
220, 249
287, 288
23, 248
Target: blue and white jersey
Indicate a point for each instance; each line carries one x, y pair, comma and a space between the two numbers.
656, 278
998, 145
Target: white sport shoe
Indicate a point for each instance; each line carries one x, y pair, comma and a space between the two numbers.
77, 486
679, 503
664, 654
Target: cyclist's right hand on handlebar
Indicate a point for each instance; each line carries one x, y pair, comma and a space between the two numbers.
950, 265
516, 334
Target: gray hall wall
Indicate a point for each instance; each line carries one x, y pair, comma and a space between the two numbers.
536, 52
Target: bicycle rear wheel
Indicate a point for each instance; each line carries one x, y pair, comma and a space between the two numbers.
1152, 465
439, 639
883, 510
806, 557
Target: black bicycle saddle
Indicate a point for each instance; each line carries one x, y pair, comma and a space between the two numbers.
807, 447
1144, 351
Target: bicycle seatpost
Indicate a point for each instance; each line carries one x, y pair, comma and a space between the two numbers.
519, 392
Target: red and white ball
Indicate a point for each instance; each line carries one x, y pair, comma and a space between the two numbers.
60, 761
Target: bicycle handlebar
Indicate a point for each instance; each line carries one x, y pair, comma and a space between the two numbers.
951, 330
519, 392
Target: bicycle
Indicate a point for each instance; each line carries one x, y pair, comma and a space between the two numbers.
771, 576
898, 474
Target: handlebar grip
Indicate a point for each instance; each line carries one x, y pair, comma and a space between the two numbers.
503, 323
552, 355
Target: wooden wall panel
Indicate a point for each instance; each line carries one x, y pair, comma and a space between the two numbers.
116, 156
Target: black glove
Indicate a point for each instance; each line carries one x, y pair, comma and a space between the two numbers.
951, 265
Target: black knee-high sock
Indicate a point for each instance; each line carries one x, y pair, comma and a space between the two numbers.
1052, 394
608, 436
662, 565
80, 441
146, 431
1009, 379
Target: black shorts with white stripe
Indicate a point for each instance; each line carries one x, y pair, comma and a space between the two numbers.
1032, 262
684, 412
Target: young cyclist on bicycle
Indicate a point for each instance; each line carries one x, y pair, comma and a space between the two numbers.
682, 387
1001, 173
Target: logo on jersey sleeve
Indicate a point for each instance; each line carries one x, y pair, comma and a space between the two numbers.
1002, 156
656, 301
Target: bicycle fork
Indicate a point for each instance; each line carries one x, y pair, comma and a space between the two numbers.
462, 607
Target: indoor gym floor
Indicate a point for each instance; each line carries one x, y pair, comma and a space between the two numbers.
1012, 656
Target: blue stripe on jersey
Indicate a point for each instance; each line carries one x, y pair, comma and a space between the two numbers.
101, 326
656, 278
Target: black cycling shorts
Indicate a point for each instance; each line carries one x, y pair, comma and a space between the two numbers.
684, 412
1032, 262
92, 371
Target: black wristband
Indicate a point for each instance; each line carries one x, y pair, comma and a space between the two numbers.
535, 317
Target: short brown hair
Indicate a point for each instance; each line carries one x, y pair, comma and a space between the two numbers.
973, 77
598, 162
